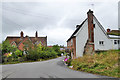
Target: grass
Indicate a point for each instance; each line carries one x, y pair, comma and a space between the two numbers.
16, 62
104, 63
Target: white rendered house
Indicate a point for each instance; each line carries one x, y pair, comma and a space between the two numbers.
90, 36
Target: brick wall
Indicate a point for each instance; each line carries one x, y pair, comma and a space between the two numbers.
71, 45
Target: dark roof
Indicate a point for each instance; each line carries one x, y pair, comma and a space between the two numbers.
77, 29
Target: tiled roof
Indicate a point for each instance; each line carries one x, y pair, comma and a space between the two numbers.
17, 40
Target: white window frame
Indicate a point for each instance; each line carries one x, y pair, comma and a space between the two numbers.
101, 43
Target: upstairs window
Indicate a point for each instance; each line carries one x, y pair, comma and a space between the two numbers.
101, 42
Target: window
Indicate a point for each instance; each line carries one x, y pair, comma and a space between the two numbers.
116, 41
101, 42
94, 25
71, 42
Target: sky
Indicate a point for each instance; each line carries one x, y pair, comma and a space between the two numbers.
55, 19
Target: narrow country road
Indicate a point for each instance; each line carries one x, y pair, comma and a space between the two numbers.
54, 68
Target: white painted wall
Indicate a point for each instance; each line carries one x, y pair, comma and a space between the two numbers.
115, 46
81, 39
100, 36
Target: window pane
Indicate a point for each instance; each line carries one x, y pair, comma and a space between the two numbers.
115, 41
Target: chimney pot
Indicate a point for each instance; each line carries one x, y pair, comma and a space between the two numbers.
36, 34
90, 11
21, 34
108, 30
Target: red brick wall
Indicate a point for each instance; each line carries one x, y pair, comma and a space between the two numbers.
72, 46
90, 26
21, 44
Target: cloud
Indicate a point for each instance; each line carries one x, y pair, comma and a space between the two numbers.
55, 19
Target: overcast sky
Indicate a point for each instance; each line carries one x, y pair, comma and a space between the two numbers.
56, 20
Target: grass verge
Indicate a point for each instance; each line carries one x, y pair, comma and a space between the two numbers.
16, 62
104, 63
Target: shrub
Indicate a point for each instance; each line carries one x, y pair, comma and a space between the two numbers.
18, 53
21, 59
32, 55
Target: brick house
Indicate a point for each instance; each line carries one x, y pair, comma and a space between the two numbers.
90, 36
19, 41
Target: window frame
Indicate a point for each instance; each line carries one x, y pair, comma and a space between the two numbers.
101, 43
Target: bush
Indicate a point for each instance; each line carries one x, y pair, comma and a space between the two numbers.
18, 53
21, 59
69, 62
32, 55
32, 52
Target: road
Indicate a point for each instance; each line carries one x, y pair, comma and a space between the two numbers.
54, 68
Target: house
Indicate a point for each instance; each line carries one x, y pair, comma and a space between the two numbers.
50, 46
90, 36
19, 41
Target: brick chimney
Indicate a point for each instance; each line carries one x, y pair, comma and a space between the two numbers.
36, 34
21, 34
89, 47
108, 30
90, 26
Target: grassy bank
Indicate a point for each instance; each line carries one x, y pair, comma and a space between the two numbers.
16, 62
104, 63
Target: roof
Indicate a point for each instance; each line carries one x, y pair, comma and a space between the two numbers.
102, 28
77, 29
114, 32
18, 40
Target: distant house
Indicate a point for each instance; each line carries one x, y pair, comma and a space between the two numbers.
19, 41
90, 36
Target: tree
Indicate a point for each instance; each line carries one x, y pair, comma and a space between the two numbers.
6, 47
28, 45
57, 49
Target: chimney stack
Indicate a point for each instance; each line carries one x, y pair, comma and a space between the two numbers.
21, 34
108, 30
90, 26
36, 34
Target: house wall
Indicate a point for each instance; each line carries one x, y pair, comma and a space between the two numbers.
21, 44
81, 39
115, 46
99, 35
13, 44
71, 45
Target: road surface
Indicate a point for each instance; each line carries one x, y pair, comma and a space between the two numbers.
54, 68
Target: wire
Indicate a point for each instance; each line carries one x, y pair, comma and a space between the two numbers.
24, 12
11, 22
